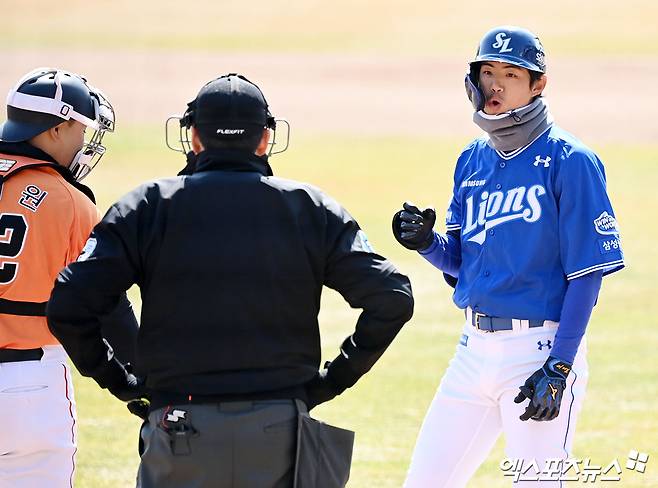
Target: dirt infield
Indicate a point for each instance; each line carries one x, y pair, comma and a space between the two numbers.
602, 101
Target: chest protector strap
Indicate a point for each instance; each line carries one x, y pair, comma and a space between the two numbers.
11, 165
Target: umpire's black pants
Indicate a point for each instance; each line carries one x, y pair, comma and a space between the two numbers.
248, 444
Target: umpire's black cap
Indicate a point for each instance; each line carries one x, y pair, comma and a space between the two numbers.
230, 106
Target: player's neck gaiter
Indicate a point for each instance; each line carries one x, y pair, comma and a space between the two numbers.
517, 128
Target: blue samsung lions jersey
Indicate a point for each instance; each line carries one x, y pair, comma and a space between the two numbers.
530, 220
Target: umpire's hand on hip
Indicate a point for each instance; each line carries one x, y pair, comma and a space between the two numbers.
320, 389
131, 388
413, 227
544, 390
119, 379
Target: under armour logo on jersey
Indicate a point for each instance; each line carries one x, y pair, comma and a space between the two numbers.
176, 415
497, 208
502, 43
542, 345
545, 161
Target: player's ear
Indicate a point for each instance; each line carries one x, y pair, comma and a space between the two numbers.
197, 146
538, 86
262, 145
55, 133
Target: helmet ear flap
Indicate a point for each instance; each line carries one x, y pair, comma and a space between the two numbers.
473, 91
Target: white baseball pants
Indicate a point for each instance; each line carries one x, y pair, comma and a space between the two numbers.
38, 430
474, 404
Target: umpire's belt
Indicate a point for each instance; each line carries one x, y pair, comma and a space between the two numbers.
161, 399
492, 324
15, 355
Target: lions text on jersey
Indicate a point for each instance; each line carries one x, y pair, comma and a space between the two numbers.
530, 220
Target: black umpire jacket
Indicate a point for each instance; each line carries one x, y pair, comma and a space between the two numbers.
230, 262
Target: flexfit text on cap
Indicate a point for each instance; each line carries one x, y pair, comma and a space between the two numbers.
229, 106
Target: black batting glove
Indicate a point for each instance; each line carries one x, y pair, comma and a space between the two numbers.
544, 390
413, 227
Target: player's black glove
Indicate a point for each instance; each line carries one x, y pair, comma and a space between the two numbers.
412, 227
320, 389
544, 390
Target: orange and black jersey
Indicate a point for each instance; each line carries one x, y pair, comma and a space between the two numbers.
45, 220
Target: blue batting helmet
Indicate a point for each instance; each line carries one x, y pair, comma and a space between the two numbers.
505, 44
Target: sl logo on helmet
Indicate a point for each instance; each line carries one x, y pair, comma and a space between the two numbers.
502, 43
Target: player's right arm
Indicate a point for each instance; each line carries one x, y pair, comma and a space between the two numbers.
413, 227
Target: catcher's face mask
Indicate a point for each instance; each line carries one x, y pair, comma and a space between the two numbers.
92, 151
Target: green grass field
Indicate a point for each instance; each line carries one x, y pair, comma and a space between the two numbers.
372, 176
